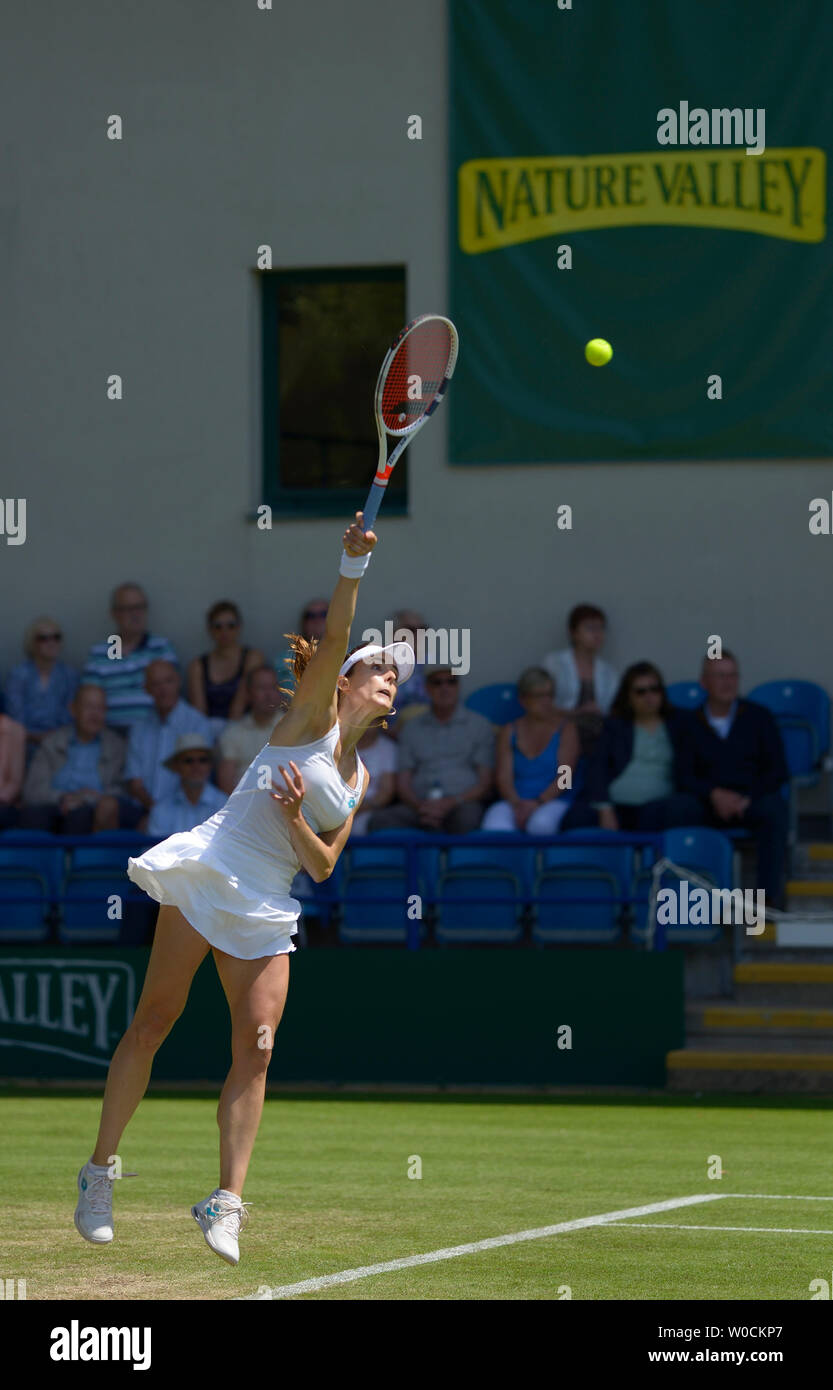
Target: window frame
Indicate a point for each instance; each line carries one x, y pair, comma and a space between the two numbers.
305, 502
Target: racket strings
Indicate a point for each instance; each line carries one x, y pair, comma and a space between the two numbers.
416, 374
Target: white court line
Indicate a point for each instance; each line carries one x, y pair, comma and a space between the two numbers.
776, 1197
348, 1276
775, 1230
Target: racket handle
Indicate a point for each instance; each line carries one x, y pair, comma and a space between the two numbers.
372, 505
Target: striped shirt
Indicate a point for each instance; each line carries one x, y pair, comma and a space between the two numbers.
123, 678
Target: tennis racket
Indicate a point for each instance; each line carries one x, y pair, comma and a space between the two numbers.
412, 381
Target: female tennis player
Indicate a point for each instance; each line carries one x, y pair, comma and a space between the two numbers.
224, 886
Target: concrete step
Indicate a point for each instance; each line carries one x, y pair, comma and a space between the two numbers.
700, 1069
785, 983
803, 888
715, 1025
817, 852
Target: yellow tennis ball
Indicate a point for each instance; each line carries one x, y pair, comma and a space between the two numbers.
598, 352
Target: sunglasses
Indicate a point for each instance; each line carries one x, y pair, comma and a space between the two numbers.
315, 613
195, 758
48, 636
441, 680
645, 689
539, 694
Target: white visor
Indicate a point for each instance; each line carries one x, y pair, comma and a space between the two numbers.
398, 652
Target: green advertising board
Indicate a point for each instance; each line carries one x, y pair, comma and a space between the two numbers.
654, 175
489, 1017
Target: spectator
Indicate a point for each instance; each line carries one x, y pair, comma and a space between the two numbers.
194, 800
732, 759
446, 764
585, 683
216, 680
313, 626
531, 784
411, 627
242, 740
12, 765
73, 785
40, 689
632, 778
119, 667
152, 740
379, 755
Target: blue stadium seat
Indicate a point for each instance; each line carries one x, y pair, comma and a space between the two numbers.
31, 866
802, 710
686, 694
428, 856
123, 845
498, 703
601, 870
490, 873
706, 852
374, 890
98, 872
88, 910
800, 705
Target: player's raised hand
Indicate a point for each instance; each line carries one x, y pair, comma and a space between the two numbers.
356, 540
290, 800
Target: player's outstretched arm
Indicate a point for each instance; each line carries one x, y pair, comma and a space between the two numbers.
316, 688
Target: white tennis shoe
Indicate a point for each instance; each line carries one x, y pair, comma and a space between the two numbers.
221, 1217
94, 1212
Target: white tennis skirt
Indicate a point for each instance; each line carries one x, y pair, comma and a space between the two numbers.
183, 872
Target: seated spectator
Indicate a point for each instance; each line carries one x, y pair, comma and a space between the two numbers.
530, 751
39, 690
631, 780
379, 754
12, 765
732, 759
194, 800
242, 740
152, 740
216, 680
119, 667
73, 785
585, 683
312, 627
411, 627
446, 764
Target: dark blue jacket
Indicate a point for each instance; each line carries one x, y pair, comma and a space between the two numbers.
750, 760
615, 749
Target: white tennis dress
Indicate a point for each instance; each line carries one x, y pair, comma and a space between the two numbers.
231, 875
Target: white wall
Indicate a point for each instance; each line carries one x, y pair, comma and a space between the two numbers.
243, 127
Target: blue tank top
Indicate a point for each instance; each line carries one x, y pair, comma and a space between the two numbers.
219, 694
533, 775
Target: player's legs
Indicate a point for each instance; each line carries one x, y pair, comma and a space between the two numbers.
256, 993
176, 953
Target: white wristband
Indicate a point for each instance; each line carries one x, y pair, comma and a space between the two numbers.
353, 566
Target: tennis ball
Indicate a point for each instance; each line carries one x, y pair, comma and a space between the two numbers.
598, 352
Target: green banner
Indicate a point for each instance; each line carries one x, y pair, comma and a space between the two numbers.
366, 1016
655, 176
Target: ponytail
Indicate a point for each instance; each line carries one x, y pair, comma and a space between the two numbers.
303, 650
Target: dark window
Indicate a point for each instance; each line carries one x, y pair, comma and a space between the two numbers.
325, 334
